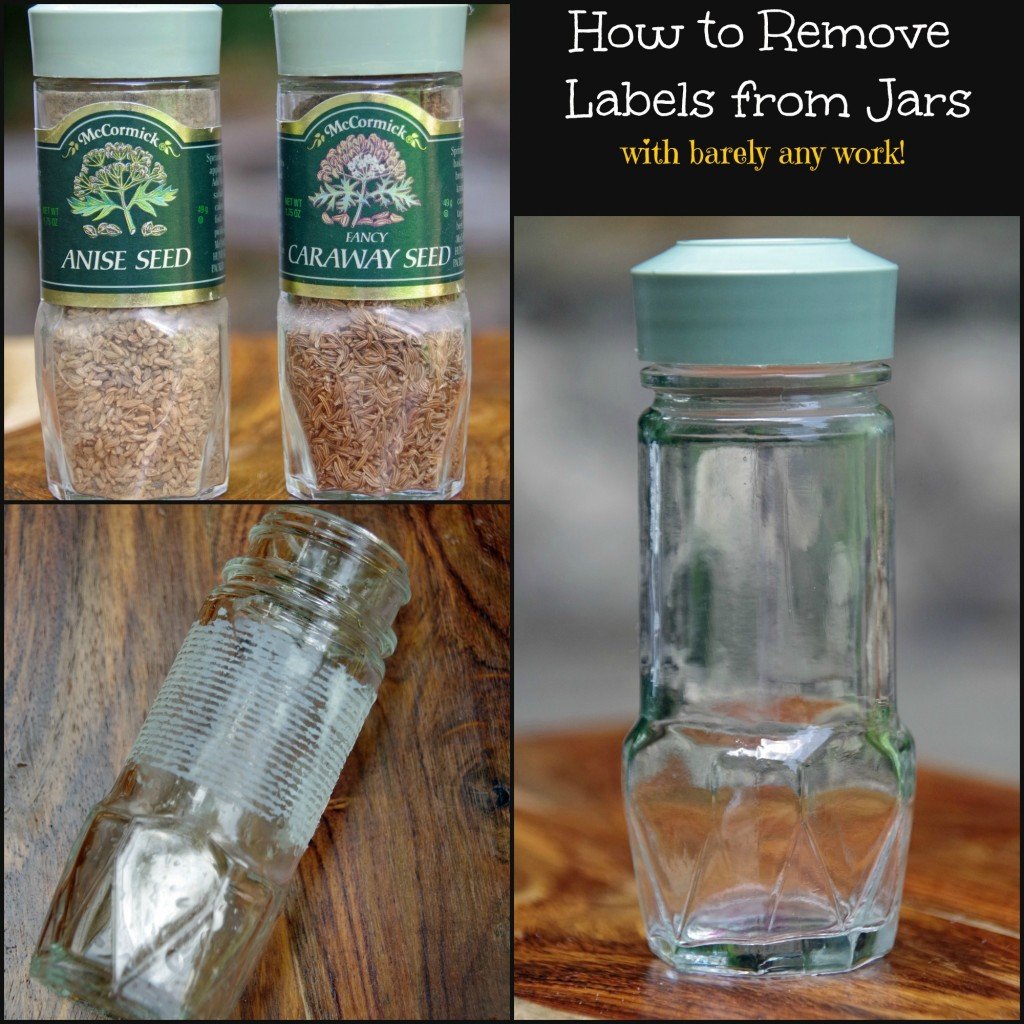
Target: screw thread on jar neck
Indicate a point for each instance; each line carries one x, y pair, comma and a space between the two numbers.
821, 386
722, 381
327, 568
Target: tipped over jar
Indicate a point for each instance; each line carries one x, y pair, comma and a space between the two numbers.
768, 781
179, 873
131, 333
374, 341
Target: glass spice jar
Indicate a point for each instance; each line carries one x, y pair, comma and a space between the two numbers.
179, 874
373, 321
769, 781
131, 334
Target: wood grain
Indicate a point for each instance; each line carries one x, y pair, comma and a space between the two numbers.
257, 468
400, 908
579, 941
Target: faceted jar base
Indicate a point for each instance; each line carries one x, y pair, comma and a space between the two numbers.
299, 487
67, 493
823, 954
75, 978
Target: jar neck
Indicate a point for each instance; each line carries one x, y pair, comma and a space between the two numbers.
449, 79
822, 385
126, 84
339, 578
439, 93
195, 102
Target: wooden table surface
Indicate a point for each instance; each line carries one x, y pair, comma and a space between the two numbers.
257, 468
400, 908
579, 946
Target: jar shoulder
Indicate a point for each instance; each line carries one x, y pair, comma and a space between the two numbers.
81, 325
296, 312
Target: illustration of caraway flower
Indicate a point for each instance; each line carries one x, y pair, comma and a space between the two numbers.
363, 181
119, 177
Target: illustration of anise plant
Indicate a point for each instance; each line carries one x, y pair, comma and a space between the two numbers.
363, 181
119, 177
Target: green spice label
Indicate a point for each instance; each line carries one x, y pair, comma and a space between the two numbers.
371, 200
130, 209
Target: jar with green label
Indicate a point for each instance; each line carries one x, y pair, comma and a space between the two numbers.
131, 334
373, 321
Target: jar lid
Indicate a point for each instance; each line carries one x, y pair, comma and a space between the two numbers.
323, 40
765, 302
125, 40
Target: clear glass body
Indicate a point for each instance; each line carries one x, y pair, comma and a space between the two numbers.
133, 401
374, 394
180, 871
768, 781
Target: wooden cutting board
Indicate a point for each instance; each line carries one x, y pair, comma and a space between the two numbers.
400, 907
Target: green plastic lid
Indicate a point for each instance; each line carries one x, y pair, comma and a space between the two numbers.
369, 39
125, 40
765, 302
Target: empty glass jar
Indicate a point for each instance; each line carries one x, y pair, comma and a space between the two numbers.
768, 781
131, 334
180, 871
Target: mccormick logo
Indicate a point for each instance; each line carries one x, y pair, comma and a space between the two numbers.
356, 123
119, 131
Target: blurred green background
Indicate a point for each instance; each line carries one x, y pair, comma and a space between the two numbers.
955, 393
249, 82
